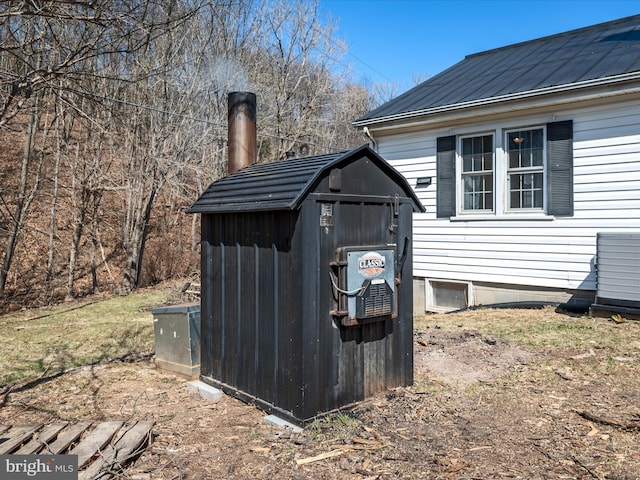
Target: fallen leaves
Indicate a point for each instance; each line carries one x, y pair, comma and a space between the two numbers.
617, 318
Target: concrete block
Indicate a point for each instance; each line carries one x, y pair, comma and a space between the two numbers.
279, 422
207, 392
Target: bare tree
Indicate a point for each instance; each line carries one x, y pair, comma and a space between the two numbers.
25, 194
351, 100
136, 94
31, 34
63, 49
156, 143
295, 76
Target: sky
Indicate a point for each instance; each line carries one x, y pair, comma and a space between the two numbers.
405, 41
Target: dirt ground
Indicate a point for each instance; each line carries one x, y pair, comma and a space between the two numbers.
481, 408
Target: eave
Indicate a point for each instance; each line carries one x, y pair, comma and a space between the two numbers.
601, 88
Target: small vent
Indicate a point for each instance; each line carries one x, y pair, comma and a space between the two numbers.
375, 301
447, 296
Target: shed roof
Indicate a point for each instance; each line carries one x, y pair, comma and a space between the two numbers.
283, 185
607, 51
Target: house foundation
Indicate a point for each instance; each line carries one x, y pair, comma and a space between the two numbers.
445, 296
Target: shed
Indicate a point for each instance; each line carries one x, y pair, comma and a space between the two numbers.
306, 297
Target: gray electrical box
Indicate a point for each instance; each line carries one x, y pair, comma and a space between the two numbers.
176, 331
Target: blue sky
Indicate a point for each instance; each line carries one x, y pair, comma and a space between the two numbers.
399, 41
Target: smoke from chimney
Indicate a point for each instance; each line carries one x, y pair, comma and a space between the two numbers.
242, 130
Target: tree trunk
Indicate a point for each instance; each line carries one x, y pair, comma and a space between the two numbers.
137, 239
97, 198
79, 197
52, 211
22, 203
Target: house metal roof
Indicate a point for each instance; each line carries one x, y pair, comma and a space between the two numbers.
587, 56
282, 185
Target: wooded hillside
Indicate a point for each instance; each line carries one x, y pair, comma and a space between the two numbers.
113, 120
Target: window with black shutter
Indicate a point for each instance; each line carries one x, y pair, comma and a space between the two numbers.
531, 184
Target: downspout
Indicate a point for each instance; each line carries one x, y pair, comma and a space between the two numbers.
372, 141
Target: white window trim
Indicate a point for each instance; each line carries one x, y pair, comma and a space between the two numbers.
501, 210
505, 181
459, 185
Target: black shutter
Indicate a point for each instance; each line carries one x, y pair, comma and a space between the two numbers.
560, 168
446, 172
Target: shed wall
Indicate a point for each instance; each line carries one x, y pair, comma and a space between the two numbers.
250, 316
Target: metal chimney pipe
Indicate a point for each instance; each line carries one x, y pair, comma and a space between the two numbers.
242, 130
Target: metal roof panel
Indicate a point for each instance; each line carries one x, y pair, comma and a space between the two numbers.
596, 52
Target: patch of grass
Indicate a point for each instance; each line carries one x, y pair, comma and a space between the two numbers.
336, 427
544, 327
347, 421
46, 341
427, 386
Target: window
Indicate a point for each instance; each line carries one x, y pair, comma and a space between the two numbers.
525, 170
532, 171
477, 173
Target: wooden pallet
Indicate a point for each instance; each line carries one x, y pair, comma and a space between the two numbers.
102, 450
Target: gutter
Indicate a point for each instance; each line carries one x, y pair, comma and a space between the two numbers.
483, 102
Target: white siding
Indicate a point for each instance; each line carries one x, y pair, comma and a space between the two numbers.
551, 252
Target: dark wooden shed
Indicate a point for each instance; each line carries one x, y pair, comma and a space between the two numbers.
307, 282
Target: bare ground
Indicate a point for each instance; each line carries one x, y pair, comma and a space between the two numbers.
481, 408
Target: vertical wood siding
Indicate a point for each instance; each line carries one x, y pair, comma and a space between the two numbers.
554, 252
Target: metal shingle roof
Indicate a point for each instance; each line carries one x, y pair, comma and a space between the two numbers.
597, 52
280, 185
263, 186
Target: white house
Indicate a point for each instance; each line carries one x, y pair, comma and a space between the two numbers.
521, 155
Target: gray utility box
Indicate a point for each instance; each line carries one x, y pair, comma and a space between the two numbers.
176, 330
618, 260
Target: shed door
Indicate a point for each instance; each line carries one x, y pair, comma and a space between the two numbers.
364, 360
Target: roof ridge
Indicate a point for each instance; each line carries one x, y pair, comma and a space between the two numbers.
555, 35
